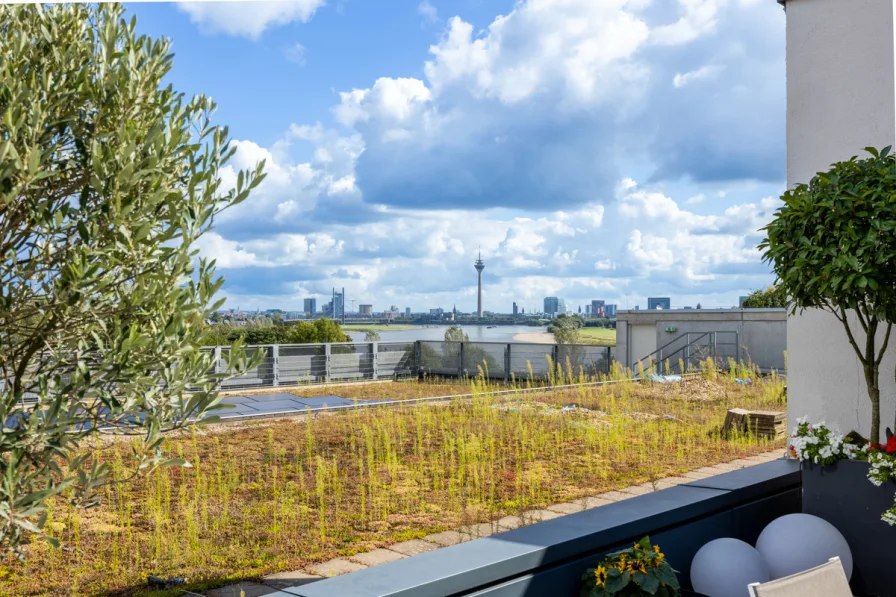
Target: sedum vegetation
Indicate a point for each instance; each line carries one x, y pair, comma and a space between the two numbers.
279, 495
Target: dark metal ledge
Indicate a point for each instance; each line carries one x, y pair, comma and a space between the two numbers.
549, 557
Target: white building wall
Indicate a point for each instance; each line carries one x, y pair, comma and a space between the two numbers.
643, 340
841, 98
761, 334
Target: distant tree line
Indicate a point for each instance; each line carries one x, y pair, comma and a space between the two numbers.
300, 332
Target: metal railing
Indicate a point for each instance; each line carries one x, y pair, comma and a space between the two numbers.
693, 347
295, 364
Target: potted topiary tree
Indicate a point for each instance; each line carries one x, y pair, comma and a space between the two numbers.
832, 246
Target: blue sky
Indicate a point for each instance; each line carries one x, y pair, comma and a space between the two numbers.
605, 149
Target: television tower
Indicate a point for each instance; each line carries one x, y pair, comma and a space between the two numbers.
479, 267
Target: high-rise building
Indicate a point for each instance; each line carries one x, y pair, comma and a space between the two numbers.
597, 308
437, 312
515, 309
610, 310
740, 302
659, 302
479, 265
554, 306
335, 309
311, 305
365, 309
407, 311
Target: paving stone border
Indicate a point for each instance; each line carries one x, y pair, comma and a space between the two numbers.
274, 582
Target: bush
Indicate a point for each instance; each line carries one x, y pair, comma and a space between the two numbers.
302, 332
767, 298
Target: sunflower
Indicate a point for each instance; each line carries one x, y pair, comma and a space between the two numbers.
659, 560
600, 575
621, 564
637, 566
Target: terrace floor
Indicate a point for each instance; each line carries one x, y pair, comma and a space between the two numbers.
338, 566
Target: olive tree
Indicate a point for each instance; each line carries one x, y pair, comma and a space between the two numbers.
833, 246
107, 179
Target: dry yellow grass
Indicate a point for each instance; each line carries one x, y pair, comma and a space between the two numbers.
279, 495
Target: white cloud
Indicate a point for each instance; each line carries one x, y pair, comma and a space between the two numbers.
248, 19
393, 101
582, 48
526, 138
226, 253
428, 11
296, 53
699, 18
704, 72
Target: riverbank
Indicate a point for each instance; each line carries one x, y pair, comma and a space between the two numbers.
595, 336
378, 327
535, 338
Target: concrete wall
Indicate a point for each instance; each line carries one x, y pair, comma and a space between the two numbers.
840, 99
761, 334
840, 82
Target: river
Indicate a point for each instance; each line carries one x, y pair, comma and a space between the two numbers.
477, 333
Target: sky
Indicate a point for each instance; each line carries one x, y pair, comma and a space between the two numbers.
590, 149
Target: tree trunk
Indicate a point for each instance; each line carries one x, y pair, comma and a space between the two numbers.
875, 415
872, 380
871, 367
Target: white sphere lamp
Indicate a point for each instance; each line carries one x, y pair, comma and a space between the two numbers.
797, 542
724, 568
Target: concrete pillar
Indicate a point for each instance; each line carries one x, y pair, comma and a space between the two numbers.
275, 365
841, 98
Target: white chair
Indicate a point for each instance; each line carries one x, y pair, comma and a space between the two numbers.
828, 580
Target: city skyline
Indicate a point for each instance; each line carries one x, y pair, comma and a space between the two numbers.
397, 141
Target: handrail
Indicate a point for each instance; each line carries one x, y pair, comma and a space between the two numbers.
688, 344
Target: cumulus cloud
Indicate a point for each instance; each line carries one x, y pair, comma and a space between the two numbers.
552, 100
698, 17
248, 19
704, 72
526, 139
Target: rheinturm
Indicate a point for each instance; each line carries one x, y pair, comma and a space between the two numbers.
479, 267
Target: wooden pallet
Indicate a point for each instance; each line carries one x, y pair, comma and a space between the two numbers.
767, 423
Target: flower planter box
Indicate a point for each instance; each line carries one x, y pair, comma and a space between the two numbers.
842, 495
